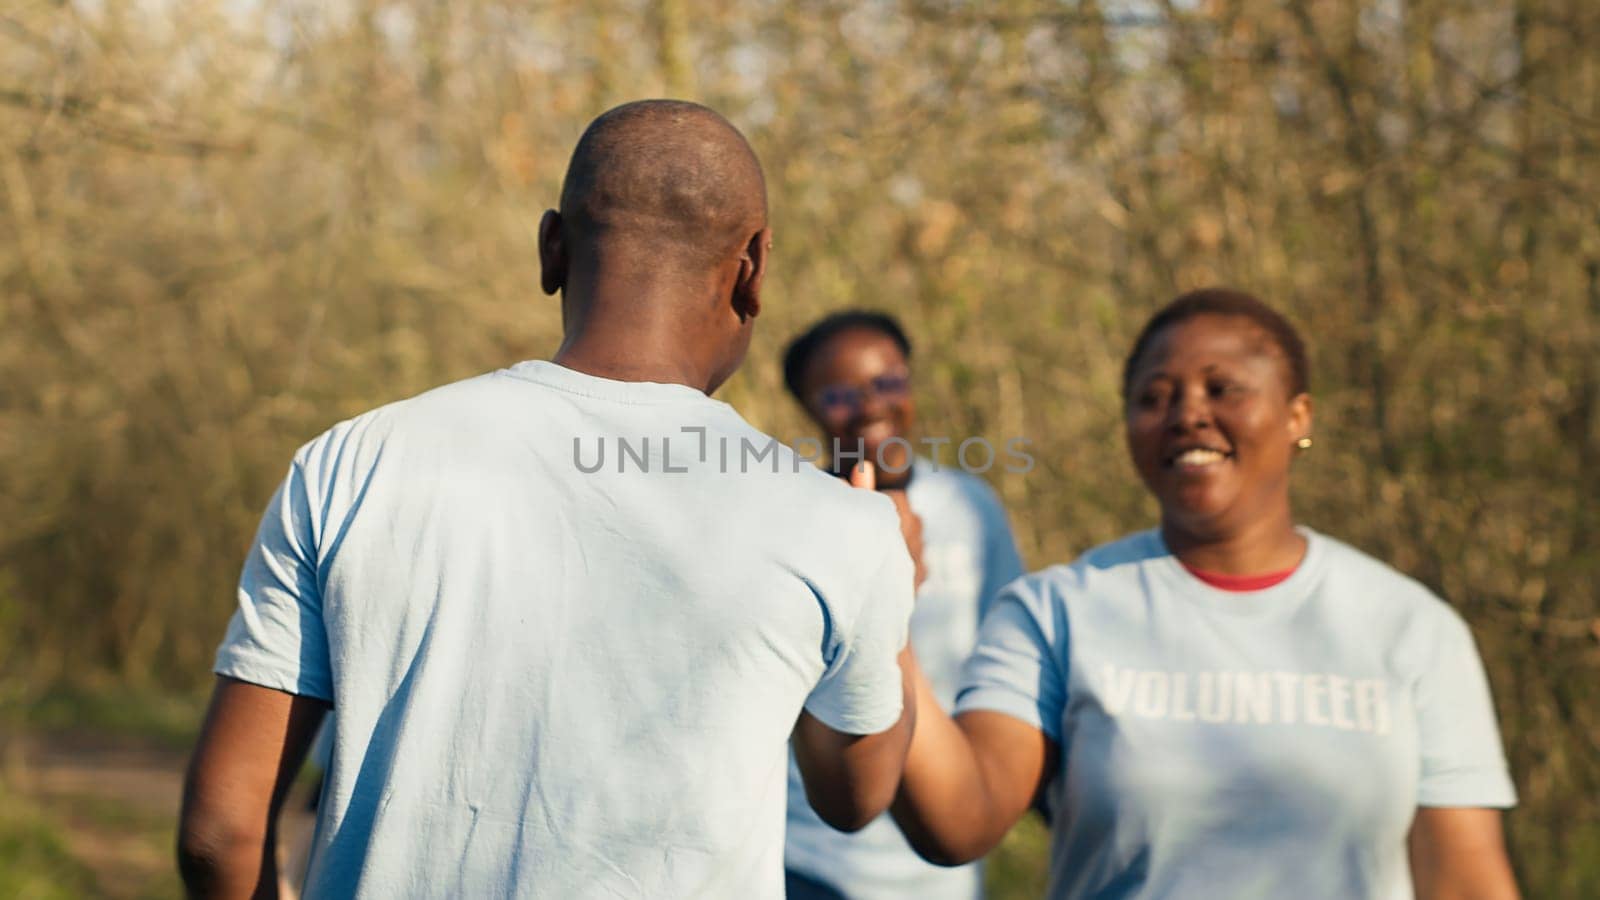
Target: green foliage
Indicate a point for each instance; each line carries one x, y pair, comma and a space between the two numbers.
112, 711
217, 240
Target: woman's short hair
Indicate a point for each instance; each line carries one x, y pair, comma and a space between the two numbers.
1226, 302
802, 349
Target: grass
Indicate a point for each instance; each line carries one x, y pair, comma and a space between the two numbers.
75, 838
1019, 868
82, 844
35, 863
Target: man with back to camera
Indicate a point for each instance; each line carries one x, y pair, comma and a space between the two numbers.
555, 682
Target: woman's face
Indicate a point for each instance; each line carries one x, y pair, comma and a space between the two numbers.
858, 387
1212, 426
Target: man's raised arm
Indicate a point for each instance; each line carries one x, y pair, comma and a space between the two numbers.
850, 779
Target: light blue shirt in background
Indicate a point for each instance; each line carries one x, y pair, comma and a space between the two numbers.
560, 684
969, 555
1263, 744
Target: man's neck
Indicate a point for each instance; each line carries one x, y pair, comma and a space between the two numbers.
626, 360
630, 329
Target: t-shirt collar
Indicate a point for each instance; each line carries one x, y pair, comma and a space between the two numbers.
550, 374
1279, 600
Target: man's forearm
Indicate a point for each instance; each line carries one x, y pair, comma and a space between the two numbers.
219, 866
851, 779
891, 747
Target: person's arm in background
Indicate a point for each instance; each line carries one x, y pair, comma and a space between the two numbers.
851, 778
250, 748
910, 529
1460, 854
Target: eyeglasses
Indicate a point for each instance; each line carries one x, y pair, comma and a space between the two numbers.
836, 402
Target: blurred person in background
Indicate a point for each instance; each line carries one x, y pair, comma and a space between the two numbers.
1228, 705
554, 681
851, 373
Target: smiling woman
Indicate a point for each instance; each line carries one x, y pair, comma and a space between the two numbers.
852, 373
1229, 705
1215, 393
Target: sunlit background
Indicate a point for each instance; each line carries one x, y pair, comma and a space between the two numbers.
225, 226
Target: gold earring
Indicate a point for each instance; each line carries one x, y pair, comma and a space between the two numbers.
1304, 443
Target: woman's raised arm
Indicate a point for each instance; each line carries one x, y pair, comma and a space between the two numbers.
967, 779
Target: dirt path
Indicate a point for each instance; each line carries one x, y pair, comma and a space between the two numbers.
115, 803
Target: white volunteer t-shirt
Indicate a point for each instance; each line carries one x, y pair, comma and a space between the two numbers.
554, 682
1261, 744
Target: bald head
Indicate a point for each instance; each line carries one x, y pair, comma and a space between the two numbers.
672, 178
659, 248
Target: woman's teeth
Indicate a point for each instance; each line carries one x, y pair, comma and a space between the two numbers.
1193, 459
877, 431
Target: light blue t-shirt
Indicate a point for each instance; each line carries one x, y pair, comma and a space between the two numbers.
969, 554
1264, 744
555, 683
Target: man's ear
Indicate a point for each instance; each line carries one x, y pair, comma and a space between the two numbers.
552, 253
752, 269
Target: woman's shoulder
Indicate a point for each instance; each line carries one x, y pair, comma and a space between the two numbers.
1352, 564
1375, 589
1117, 557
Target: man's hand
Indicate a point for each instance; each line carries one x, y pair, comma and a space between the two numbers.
864, 476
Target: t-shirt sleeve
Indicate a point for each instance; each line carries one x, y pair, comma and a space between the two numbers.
860, 690
276, 638
1017, 665
1462, 760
